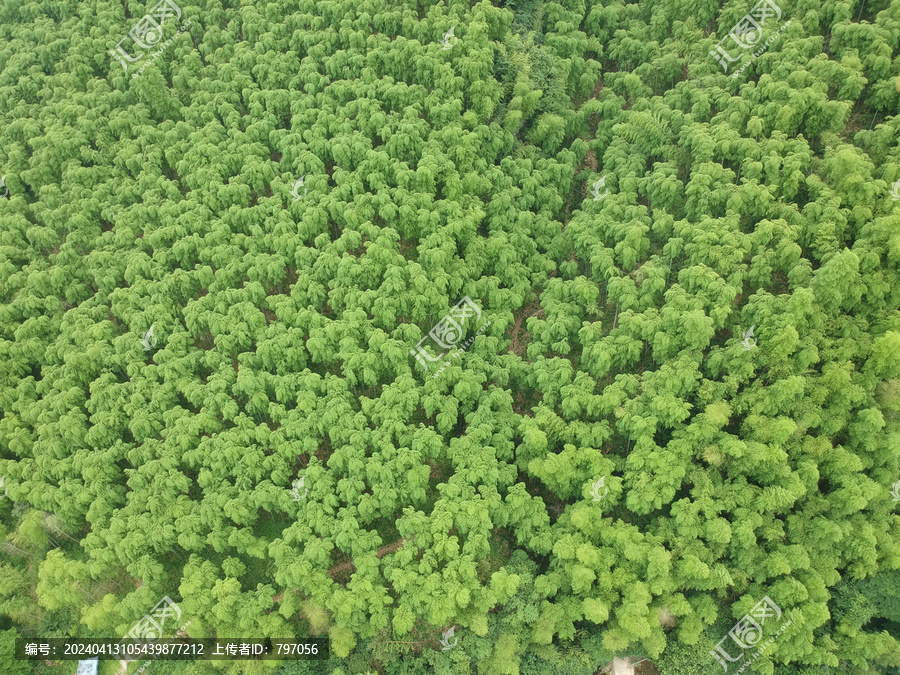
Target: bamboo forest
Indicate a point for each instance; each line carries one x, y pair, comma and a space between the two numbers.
454, 337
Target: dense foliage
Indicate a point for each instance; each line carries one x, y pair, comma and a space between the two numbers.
432, 171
